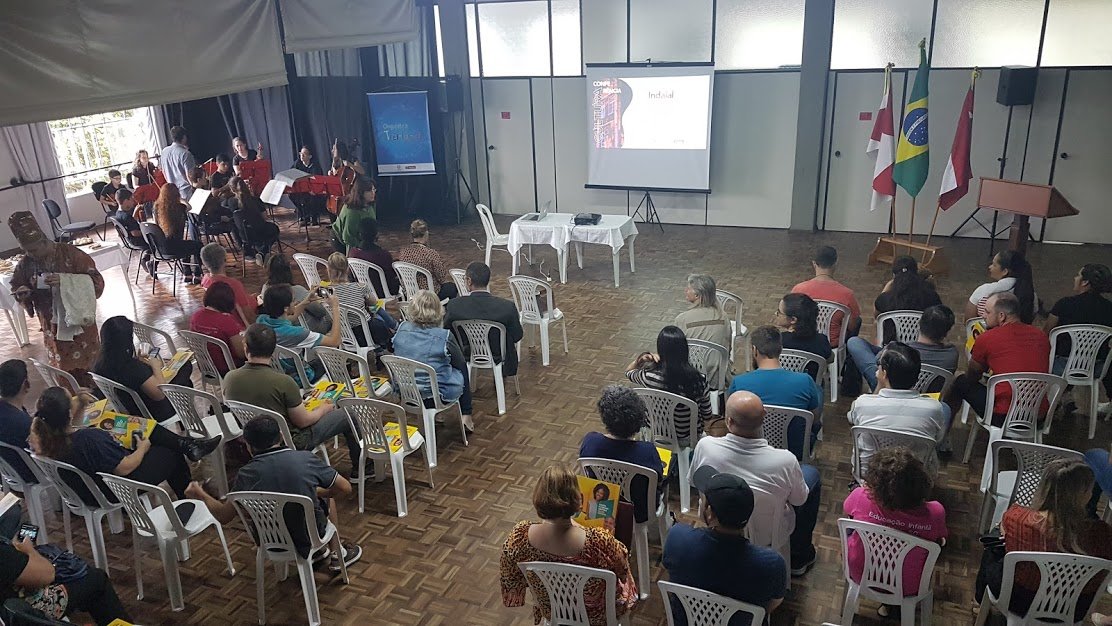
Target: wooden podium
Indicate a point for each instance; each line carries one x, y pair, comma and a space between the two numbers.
1023, 201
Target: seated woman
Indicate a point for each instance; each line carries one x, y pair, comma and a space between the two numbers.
169, 214
624, 415
423, 338
118, 362
142, 170
309, 206
241, 153
359, 296
342, 157
705, 320
358, 206
670, 370
161, 457
1055, 522
218, 319
797, 316
907, 291
557, 539
1010, 271
895, 495
1087, 306
419, 253
255, 232
279, 272
368, 250
215, 259
931, 345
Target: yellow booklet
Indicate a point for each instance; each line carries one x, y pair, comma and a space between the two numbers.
328, 390
171, 368
394, 435
665, 458
122, 427
600, 503
977, 329
94, 410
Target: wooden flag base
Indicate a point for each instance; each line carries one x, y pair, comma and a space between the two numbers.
888, 248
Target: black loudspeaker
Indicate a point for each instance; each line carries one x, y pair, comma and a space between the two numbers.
1017, 85
451, 91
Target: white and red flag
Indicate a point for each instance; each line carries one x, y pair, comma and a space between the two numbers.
882, 142
955, 181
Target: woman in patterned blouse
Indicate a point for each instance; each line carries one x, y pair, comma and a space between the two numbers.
419, 253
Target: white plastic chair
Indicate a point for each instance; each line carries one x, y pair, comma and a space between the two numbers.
905, 321
362, 271
351, 317
493, 238
662, 424
1062, 578
1017, 486
867, 439
92, 513
459, 277
205, 422
1021, 421
711, 358
147, 334
244, 412
294, 356
403, 376
704, 608
477, 335
33, 491
563, 585
310, 268
766, 527
115, 392
929, 375
525, 290
728, 301
55, 377
827, 311
775, 429
886, 549
407, 276
162, 525
199, 345
622, 474
263, 511
807, 362
1086, 341
368, 418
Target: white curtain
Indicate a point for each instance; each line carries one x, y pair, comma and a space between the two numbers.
326, 24
408, 58
324, 63
33, 151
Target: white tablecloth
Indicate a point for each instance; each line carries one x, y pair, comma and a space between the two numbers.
558, 230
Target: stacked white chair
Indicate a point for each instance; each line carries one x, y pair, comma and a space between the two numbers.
563, 585
368, 419
886, 549
905, 321
526, 290
827, 311
1018, 486
1062, 577
93, 513
1086, 342
704, 608
403, 376
662, 424
477, 335
34, 491
493, 238
311, 268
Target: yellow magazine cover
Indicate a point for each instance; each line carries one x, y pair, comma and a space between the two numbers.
94, 410
122, 427
600, 503
171, 368
394, 436
665, 458
324, 390
977, 329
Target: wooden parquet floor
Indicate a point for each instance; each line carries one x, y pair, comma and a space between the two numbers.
439, 565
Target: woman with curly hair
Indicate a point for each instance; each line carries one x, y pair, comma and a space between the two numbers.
895, 495
169, 214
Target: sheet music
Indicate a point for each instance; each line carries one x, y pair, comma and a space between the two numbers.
198, 199
290, 176
272, 192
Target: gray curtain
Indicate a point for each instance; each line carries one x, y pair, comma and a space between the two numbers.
263, 115
324, 63
33, 151
413, 57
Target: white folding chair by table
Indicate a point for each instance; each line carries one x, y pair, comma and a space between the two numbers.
1086, 342
1062, 578
152, 336
459, 277
622, 474
34, 491
55, 377
906, 323
368, 419
827, 311
1018, 486
403, 377
766, 527
115, 392
310, 268
93, 513
199, 345
477, 335
494, 239
1029, 389
886, 549
160, 523
563, 585
526, 290
407, 277
732, 305
662, 424
704, 355
869, 439
776, 423
362, 270
704, 608
205, 422
264, 512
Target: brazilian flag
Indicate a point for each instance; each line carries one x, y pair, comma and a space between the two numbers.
912, 152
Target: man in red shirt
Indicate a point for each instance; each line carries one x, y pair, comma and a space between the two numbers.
824, 287
1008, 346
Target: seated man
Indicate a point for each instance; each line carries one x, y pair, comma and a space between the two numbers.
219, 179
126, 214
824, 287
280, 314
481, 305
115, 184
897, 406
15, 423
259, 384
780, 387
718, 558
1007, 347
274, 467
744, 453
933, 350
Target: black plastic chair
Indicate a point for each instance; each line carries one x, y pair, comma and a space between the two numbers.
108, 208
67, 231
156, 240
219, 232
125, 241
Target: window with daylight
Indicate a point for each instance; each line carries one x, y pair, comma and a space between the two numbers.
90, 145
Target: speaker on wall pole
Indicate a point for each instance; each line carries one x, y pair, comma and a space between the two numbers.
451, 91
1017, 85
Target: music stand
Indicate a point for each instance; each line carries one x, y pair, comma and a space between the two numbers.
256, 173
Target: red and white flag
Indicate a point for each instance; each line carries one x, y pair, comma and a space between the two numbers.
955, 181
883, 142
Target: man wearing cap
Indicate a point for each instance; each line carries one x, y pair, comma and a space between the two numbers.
744, 452
719, 558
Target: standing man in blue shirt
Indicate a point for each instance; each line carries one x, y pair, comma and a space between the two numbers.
177, 162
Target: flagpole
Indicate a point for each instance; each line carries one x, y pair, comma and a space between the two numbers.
911, 227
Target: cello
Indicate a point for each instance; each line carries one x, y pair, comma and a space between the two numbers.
346, 173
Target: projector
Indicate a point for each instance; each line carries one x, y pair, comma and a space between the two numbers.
587, 219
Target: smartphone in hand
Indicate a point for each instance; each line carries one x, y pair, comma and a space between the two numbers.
28, 531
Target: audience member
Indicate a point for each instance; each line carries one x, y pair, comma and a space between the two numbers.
308, 206
1008, 346
780, 387
705, 320
481, 305
115, 183
895, 495
824, 287
623, 415
423, 338
745, 453
241, 153
1087, 306
359, 204
218, 319
1055, 522
275, 468
215, 258
342, 157
907, 291
368, 250
223, 173
279, 313
169, 214
897, 407
419, 253
358, 296
718, 558
670, 369
313, 315
118, 362
556, 538
797, 316
199, 179
177, 161
15, 423
142, 170
933, 350
125, 215
1099, 460
256, 233
1011, 273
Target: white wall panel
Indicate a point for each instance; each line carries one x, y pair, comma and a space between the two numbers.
482, 194
543, 140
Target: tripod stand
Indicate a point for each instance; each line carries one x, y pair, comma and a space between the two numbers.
651, 216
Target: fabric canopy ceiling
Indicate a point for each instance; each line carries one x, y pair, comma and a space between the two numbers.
63, 58
324, 24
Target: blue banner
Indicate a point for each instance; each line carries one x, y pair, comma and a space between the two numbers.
400, 124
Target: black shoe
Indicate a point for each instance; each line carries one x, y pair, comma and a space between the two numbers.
197, 449
351, 552
368, 474
805, 567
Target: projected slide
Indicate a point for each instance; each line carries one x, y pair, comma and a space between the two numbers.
649, 126
403, 144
